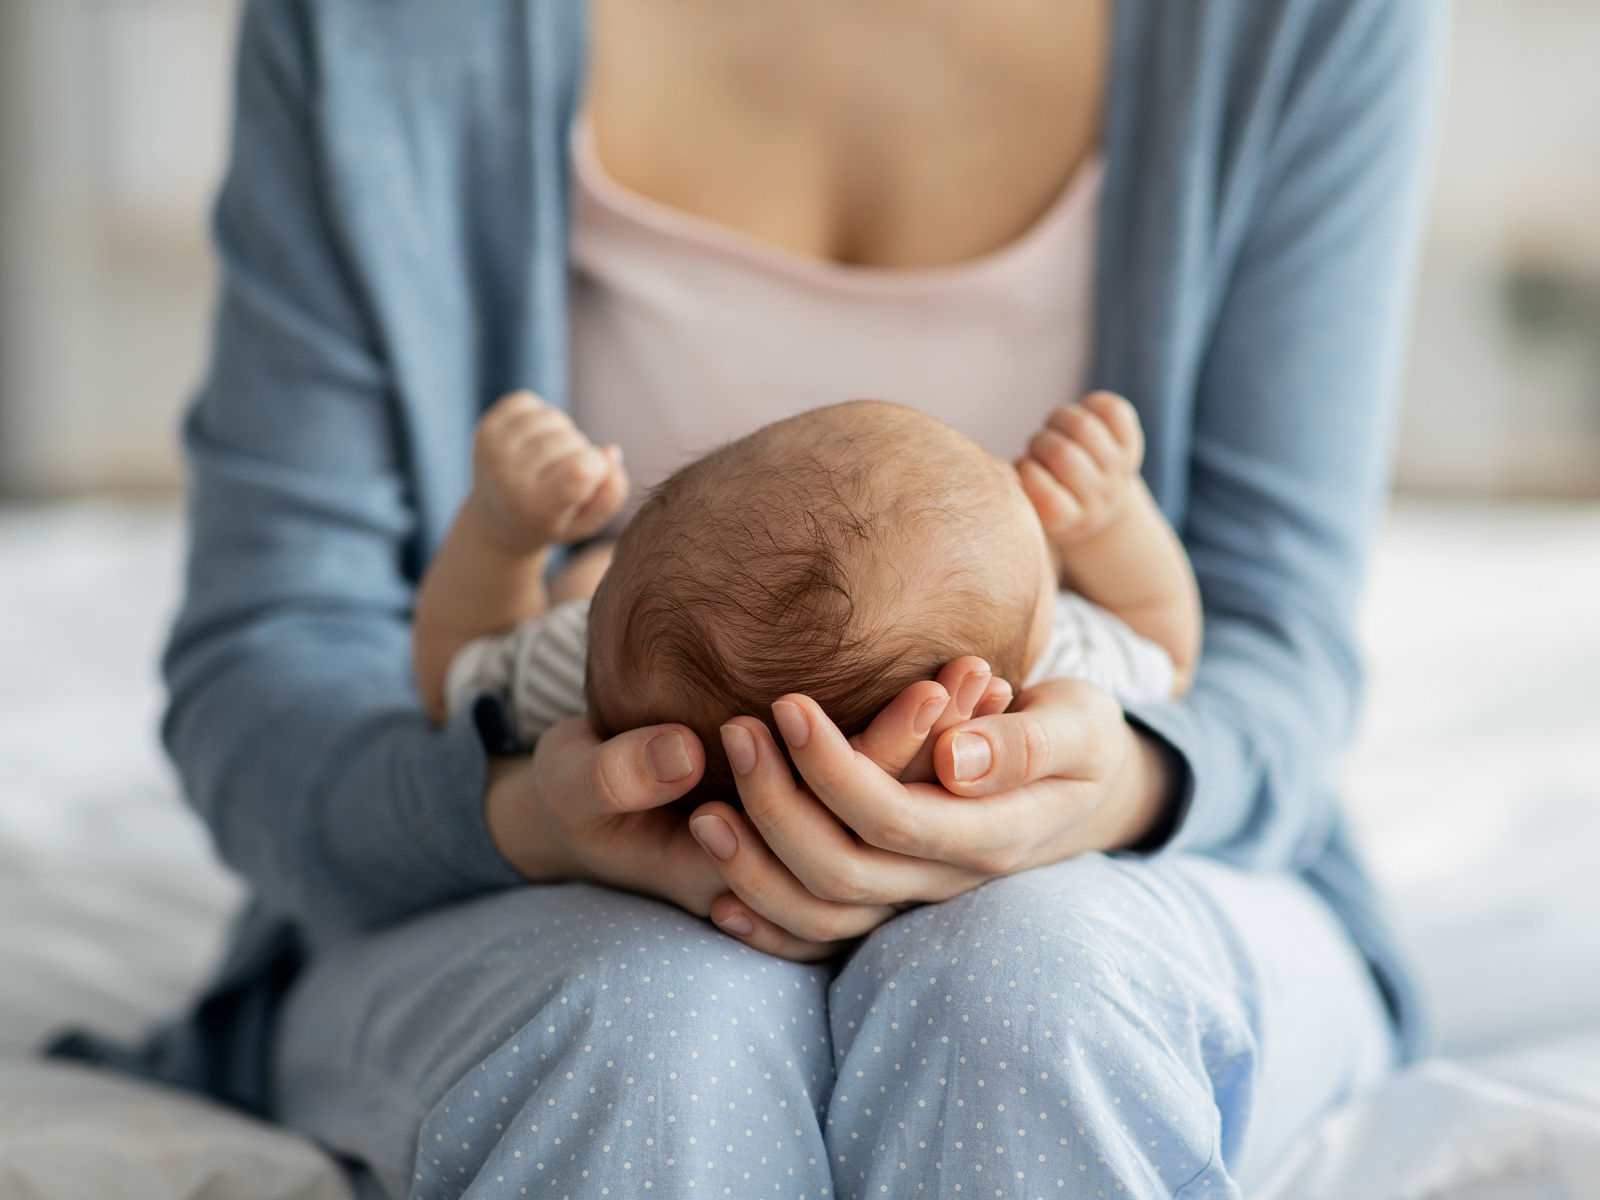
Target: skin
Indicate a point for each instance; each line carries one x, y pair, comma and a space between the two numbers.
944, 149
876, 822
538, 482
1111, 541
1011, 560
889, 133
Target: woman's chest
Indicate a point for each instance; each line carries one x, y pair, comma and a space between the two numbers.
890, 133
685, 335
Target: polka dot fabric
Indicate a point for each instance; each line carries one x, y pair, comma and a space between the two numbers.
1096, 1028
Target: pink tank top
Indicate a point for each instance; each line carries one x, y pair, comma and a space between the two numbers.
687, 333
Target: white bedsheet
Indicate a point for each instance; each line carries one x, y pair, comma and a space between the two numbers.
1524, 1125
1475, 787
111, 903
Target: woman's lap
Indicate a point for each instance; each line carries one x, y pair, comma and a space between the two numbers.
1187, 1019
1098, 1022
559, 1021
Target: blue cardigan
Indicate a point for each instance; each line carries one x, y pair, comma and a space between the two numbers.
393, 234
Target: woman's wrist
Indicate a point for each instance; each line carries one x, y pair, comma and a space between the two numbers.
1149, 791
1137, 803
515, 824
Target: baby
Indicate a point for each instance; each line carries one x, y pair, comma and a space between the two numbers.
844, 553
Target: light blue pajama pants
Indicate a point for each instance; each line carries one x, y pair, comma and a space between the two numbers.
1101, 1027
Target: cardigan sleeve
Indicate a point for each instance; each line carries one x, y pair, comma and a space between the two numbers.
1290, 446
292, 716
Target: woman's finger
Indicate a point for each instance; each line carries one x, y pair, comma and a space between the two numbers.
898, 733
996, 699
735, 918
919, 820
655, 854
1055, 730
637, 770
607, 806
829, 861
755, 876
965, 681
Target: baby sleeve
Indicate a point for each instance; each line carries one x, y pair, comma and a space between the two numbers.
1089, 643
535, 669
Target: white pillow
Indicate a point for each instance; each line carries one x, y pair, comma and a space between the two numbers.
1519, 1126
72, 1133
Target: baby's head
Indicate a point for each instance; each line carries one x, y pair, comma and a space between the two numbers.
844, 553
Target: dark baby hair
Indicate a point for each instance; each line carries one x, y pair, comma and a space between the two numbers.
783, 563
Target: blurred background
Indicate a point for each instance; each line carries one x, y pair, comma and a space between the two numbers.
1475, 783
113, 117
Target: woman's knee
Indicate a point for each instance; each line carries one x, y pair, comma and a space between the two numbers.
1050, 1015
1086, 925
662, 1055
658, 987
535, 1033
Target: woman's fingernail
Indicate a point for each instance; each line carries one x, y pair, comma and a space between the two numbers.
971, 691
737, 924
997, 701
713, 833
928, 714
740, 748
667, 757
791, 723
972, 755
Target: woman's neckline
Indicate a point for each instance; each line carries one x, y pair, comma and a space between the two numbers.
752, 250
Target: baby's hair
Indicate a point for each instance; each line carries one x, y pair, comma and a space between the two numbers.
765, 568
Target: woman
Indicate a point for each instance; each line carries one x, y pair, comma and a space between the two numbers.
397, 240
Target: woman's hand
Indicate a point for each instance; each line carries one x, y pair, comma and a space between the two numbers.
580, 808
812, 866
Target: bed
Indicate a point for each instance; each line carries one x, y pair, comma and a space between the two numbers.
1475, 786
